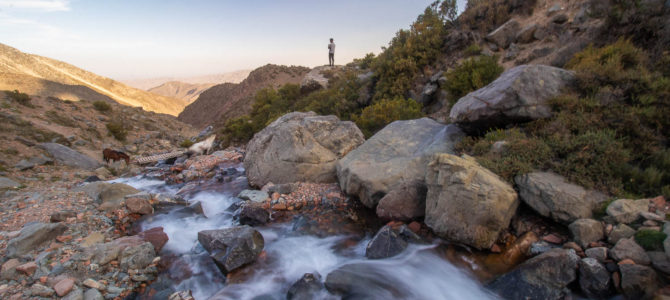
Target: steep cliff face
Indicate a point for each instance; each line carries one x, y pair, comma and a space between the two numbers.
228, 100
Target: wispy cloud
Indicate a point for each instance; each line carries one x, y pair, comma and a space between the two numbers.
43, 5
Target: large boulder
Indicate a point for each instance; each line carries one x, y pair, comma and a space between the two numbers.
300, 147
467, 203
69, 157
504, 35
626, 210
233, 247
32, 236
545, 276
111, 196
594, 279
519, 94
638, 282
552, 196
395, 157
629, 249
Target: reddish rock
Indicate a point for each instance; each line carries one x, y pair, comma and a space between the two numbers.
275, 196
659, 202
10, 264
414, 227
139, 206
27, 268
63, 238
552, 238
156, 237
279, 206
495, 248
574, 246
616, 279
627, 261
64, 287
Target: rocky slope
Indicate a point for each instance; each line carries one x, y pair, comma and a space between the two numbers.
37, 69
225, 101
188, 92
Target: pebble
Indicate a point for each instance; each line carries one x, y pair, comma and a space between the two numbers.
93, 284
64, 286
27, 268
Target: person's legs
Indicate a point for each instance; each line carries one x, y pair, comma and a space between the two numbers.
331, 59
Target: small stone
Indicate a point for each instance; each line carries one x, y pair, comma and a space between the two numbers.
92, 239
62, 216
64, 287
597, 253
538, 248
41, 290
652, 216
552, 238
91, 283
594, 279
139, 206
9, 269
27, 268
573, 246
75, 294
585, 231
621, 231
628, 248
626, 261
93, 294
414, 227
495, 248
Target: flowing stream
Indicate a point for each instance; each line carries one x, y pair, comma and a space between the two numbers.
417, 273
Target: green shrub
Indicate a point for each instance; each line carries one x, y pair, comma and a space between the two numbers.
365, 62
102, 106
186, 143
117, 130
60, 119
472, 74
472, 50
239, 130
375, 117
650, 240
21, 98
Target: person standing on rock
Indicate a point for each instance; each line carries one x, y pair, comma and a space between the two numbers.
331, 53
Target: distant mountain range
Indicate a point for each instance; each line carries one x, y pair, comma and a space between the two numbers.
188, 92
150, 83
42, 76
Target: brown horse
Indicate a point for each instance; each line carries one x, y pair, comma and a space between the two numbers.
109, 154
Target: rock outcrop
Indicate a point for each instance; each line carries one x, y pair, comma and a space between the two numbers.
467, 203
69, 157
519, 94
395, 158
552, 196
504, 35
300, 147
32, 236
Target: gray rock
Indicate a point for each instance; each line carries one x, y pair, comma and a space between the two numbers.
586, 231
41, 290
660, 261
112, 196
628, 248
594, 279
360, 281
137, 257
253, 215
32, 236
402, 150
527, 34
253, 195
638, 282
306, 288
519, 94
75, 294
545, 276
390, 242
620, 231
554, 9
512, 52
404, 202
69, 157
300, 147
467, 203
428, 93
33, 162
92, 189
6, 183
93, 294
315, 78
552, 196
597, 253
504, 35
233, 247
626, 210
560, 18
540, 247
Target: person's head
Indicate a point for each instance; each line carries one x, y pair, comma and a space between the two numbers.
331, 40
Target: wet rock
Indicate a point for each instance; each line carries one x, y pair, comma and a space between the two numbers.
504, 35
93, 294
306, 288
33, 162
545, 276
156, 236
353, 282
552, 196
620, 231
62, 216
232, 247
629, 249
69, 157
402, 149
41, 290
32, 236
626, 210
594, 278
64, 287
300, 147
139, 206
253, 195
586, 231
253, 215
112, 196
638, 282
403, 203
519, 94
467, 203
6, 183
597, 253
137, 257
390, 242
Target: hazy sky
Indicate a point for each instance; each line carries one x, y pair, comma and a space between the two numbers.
127, 39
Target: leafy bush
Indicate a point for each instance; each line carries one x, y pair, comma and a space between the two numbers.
365, 62
117, 130
473, 50
238, 130
101, 106
650, 240
186, 143
472, 74
375, 117
21, 98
